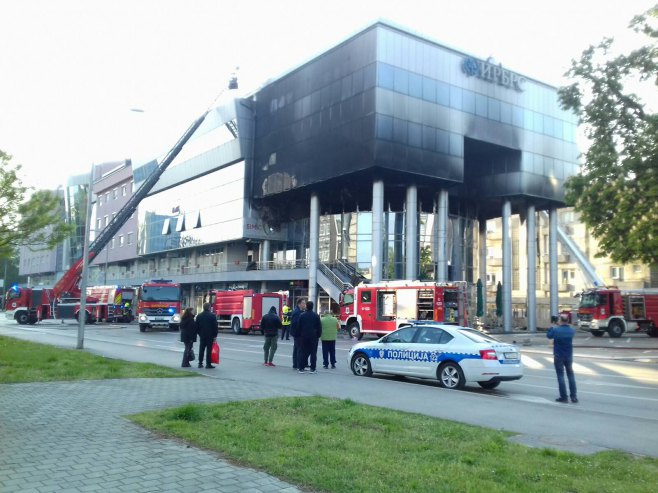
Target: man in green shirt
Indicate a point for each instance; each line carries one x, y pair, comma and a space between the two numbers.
330, 326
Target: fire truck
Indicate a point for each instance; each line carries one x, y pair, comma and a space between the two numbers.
242, 310
114, 303
615, 311
382, 307
31, 305
159, 305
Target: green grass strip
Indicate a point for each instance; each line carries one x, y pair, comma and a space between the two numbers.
24, 361
340, 446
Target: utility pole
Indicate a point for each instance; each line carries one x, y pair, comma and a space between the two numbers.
82, 314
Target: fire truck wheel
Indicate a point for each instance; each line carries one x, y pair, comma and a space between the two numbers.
354, 330
652, 331
22, 318
597, 333
361, 365
87, 317
489, 385
235, 326
451, 376
615, 329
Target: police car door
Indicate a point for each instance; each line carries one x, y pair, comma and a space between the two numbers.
426, 351
392, 354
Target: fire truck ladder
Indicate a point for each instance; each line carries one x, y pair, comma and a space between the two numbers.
70, 280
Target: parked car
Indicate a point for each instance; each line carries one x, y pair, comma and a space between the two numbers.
452, 354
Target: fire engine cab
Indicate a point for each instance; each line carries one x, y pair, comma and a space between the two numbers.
382, 307
615, 312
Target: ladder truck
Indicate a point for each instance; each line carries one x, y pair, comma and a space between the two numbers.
31, 305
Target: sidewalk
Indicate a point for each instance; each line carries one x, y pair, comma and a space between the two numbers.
71, 436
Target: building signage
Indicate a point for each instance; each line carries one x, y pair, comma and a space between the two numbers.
489, 71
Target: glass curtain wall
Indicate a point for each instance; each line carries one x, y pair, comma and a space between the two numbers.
347, 237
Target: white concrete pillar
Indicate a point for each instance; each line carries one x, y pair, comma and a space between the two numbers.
442, 231
377, 229
265, 255
507, 266
532, 269
482, 262
314, 247
552, 258
411, 233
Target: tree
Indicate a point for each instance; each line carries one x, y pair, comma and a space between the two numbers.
616, 191
37, 221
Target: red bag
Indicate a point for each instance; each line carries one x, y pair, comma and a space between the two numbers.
214, 354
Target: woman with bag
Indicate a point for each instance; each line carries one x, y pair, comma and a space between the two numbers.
187, 336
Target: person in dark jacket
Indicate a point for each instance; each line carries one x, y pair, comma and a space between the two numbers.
187, 335
562, 336
294, 332
270, 325
206, 327
310, 330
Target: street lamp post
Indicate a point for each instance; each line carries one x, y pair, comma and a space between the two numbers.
82, 314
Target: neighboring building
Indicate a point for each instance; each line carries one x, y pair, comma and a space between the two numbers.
112, 190
385, 157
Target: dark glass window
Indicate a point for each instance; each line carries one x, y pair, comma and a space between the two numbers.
357, 81
415, 85
494, 109
369, 76
442, 141
456, 97
468, 101
384, 127
517, 116
415, 138
366, 296
456, 145
505, 112
481, 105
429, 89
539, 122
429, 138
399, 131
443, 93
400, 80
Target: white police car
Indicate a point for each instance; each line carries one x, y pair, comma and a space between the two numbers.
452, 354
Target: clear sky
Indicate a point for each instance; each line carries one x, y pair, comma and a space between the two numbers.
72, 70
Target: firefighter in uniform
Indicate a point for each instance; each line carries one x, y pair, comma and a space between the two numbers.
285, 323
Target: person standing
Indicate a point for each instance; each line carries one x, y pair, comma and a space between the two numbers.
206, 327
187, 335
294, 332
310, 330
270, 325
285, 323
562, 336
330, 326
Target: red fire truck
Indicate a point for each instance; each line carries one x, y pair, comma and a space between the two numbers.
615, 311
104, 303
159, 305
242, 310
383, 307
31, 305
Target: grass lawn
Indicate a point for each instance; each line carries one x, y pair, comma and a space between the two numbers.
334, 445
24, 361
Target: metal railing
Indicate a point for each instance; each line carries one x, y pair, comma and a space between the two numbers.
333, 278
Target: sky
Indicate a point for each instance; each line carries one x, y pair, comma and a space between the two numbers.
73, 72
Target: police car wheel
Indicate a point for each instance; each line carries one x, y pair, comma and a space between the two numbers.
361, 365
451, 376
488, 385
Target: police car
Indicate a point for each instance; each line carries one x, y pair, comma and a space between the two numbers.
454, 355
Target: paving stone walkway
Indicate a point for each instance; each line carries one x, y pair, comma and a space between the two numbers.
73, 437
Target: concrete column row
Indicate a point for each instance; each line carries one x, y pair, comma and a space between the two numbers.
411, 242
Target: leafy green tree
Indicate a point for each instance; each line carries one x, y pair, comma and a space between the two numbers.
616, 192
36, 221
426, 263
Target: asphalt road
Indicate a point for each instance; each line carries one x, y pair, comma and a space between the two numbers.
617, 383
